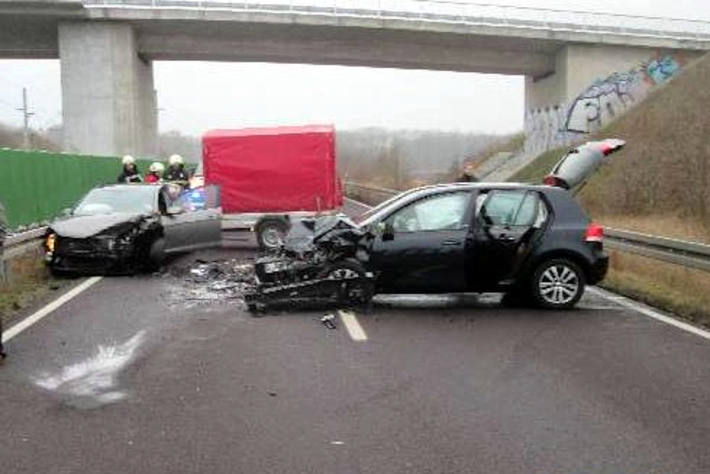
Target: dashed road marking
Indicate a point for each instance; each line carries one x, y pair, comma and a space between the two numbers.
647, 311
32, 319
357, 333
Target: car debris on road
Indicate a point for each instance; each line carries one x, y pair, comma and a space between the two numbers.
328, 321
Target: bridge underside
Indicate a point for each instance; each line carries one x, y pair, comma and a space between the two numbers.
107, 83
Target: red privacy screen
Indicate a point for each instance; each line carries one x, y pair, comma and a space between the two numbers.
273, 169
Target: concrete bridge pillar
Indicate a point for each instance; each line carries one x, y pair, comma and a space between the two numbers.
108, 97
591, 85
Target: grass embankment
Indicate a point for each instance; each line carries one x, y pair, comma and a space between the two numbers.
680, 290
658, 184
28, 283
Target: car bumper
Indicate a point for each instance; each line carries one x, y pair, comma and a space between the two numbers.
598, 269
90, 264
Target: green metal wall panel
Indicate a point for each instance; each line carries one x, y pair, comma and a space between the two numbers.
36, 186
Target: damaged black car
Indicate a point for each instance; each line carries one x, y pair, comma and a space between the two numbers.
532, 242
126, 228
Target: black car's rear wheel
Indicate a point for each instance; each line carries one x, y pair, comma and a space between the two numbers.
557, 284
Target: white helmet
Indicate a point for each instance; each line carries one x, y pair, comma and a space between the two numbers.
128, 160
175, 160
156, 167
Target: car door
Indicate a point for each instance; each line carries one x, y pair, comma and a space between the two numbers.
175, 224
423, 248
504, 226
201, 218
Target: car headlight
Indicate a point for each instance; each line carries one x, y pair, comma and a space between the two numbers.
50, 242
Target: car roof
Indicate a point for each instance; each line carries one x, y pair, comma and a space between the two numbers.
437, 188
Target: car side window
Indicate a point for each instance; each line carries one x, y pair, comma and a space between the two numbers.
441, 212
508, 208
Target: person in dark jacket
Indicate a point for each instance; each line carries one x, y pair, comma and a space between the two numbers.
176, 172
130, 173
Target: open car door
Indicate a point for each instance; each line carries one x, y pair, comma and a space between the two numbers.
192, 218
204, 217
577, 166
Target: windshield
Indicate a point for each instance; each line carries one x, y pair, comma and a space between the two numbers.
375, 210
128, 200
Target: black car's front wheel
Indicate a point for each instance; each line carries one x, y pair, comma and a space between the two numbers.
557, 284
354, 288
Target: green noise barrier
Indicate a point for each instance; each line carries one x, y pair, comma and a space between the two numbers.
35, 185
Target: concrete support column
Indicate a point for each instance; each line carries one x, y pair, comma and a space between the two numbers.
108, 96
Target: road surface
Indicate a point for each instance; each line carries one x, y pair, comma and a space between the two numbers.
129, 376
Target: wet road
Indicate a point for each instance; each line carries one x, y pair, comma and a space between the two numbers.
127, 377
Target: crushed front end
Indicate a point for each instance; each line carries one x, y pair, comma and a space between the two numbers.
121, 248
323, 260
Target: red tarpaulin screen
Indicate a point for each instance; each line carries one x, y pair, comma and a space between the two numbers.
273, 169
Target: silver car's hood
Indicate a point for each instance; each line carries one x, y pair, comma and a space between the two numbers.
80, 227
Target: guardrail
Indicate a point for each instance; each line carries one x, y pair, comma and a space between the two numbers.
450, 11
17, 245
680, 252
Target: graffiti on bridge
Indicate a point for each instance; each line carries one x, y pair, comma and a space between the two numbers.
597, 105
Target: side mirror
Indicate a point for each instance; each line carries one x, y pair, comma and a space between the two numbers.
388, 232
175, 210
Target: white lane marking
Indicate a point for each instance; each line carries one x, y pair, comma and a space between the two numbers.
353, 326
92, 381
647, 311
30, 320
358, 203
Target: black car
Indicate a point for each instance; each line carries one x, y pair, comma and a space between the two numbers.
126, 228
532, 242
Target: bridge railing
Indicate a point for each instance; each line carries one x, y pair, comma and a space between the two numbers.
680, 252
452, 11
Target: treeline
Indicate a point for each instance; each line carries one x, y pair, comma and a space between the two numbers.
404, 158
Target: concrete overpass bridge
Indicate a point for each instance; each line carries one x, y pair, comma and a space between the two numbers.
106, 47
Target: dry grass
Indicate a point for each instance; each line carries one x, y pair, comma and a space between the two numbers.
29, 281
666, 225
665, 167
680, 290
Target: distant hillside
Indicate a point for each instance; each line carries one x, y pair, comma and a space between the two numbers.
660, 182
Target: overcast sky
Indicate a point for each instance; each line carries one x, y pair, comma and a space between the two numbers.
195, 96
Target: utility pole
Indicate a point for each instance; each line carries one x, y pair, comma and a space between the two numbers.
26, 115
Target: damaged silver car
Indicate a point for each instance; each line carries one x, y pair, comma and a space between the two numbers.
126, 228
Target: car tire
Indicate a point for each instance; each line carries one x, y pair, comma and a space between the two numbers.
356, 289
557, 284
271, 233
156, 254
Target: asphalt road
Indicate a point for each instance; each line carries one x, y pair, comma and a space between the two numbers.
130, 376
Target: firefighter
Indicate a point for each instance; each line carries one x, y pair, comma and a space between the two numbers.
176, 171
129, 173
155, 172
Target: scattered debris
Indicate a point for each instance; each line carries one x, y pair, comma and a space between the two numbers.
328, 321
322, 260
204, 282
